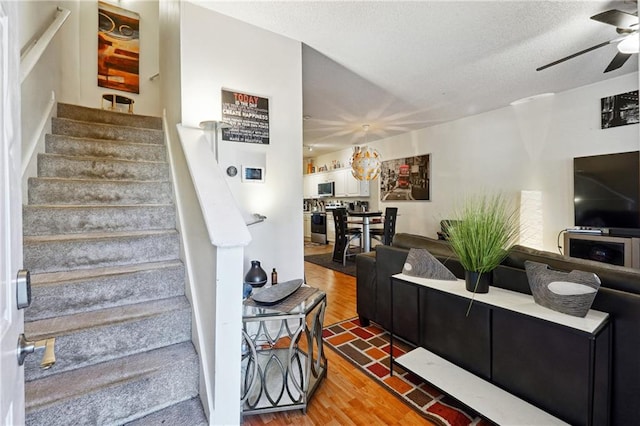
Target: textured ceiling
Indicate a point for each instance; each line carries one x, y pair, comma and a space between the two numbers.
400, 66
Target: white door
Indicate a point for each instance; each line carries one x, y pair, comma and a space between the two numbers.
11, 319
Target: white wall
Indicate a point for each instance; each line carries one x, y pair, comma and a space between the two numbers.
220, 52
526, 147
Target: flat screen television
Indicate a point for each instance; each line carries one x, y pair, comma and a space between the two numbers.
607, 190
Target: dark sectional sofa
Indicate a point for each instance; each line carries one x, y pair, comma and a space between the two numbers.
619, 295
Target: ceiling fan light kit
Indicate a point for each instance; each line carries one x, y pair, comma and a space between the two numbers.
630, 44
626, 25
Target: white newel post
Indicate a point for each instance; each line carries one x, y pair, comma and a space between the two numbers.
228, 326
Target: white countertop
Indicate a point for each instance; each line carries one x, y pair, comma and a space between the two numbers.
483, 397
513, 301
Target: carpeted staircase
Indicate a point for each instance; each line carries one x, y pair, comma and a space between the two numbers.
101, 243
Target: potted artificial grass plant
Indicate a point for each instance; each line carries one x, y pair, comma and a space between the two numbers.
484, 228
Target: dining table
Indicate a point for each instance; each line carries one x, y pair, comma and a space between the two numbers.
366, 222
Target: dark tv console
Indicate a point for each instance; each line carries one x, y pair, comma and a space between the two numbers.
624, 232
612, 249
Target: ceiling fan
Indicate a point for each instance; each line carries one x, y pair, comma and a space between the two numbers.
627, 27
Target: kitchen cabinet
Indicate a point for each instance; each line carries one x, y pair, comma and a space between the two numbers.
355, 187
326, 177
345, 185
340, 187
310, 185
307, 226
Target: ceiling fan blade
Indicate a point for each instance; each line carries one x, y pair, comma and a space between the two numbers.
617, 18
618, 61
597, 46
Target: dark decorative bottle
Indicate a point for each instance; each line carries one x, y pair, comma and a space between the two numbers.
274, 277
256, 276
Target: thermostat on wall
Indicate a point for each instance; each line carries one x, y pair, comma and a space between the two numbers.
252, 174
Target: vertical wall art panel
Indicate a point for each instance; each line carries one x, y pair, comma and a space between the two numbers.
619, 110
118, 48
405, 179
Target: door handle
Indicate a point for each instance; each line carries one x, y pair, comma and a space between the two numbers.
26, 347
23, 289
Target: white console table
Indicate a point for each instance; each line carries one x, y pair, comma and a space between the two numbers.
511, 360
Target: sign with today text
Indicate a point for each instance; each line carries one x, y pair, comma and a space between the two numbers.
247, 116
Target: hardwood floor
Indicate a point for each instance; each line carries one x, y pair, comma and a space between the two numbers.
346, 396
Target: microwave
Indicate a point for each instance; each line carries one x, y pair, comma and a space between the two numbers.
325, 189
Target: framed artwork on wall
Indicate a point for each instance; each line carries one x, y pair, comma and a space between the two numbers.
118, 48
406, 179
619, 110
246, 117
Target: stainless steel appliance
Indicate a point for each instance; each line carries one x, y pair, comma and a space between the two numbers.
325, 189
319, 228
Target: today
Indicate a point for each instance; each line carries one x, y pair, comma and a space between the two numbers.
241, 97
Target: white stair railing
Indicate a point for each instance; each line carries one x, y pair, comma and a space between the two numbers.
32, 55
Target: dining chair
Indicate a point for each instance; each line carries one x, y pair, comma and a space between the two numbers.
342, 247
444, 228
385, 234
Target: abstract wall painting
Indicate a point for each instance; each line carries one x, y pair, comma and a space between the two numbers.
118, 48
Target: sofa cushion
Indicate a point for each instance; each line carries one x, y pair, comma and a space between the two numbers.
366, 285
435, 247
612, 276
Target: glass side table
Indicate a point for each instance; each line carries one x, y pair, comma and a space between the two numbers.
280, 370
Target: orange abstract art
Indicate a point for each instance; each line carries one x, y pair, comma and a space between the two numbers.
118, 48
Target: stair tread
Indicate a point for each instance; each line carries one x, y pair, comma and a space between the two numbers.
94, 181
34, 239
185, 413
94, 206
99, 159
101, 141
65, 109
63, 325
59, 387
118, 126
54, 278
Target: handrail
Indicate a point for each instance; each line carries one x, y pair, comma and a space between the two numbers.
256, 218
32, 55
223, 218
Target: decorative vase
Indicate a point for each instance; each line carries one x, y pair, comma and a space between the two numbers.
571, 293
256, 276
477, 282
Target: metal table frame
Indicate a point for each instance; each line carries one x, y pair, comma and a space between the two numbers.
279, 372
366, 242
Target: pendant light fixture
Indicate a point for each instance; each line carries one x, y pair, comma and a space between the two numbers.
365, 161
